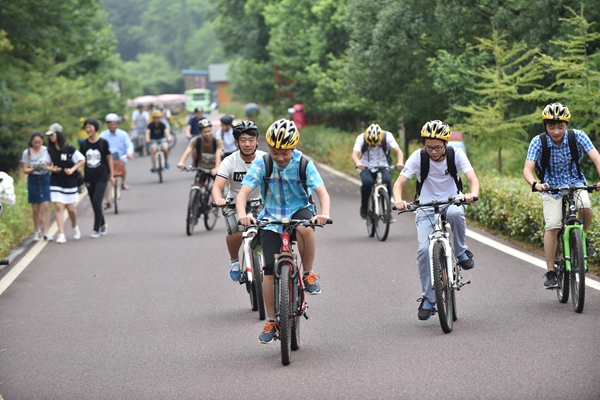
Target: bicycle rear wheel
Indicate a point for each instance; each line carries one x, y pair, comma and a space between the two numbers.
211, 214
382, 227
116, 195
173, 141
577, 270
285, 312
370, 217
192, 212
443, 290
562, 277
258, 303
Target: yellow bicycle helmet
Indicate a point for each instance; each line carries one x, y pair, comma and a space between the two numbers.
436, 129
556, 112
156, 114
283, 134
373, 135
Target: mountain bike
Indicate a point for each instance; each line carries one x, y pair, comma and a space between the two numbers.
200, 201
571, 253
445, 271
290, 301
379, 207
251, 262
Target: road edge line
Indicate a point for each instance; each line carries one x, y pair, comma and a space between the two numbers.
538, 262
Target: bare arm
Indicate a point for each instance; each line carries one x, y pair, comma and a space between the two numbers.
111, 169
356, 159
474, 184
529, 178
400, 156
325, 203
240, 206
397, 191
217, 190
184, 157
147, 135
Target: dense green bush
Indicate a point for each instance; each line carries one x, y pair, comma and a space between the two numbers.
17, 223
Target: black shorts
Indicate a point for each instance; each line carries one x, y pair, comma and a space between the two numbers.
271, 241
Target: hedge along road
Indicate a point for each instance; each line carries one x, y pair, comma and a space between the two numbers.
147, 312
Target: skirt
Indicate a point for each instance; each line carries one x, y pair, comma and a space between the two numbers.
38, 188
64, 195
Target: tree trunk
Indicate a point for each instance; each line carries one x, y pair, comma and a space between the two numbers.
500, 160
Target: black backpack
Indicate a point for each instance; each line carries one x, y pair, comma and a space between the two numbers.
199, 149
383, 145
542, 166
452, 171
268, 160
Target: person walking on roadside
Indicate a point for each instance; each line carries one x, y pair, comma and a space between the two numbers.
98, 171
35, 160
65, 161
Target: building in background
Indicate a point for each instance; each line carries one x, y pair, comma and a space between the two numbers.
217, 76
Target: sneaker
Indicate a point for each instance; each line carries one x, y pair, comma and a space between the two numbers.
95, 235
61, 238
234, 270
48, 238
465, 260
153, 169
37, 236
269, 331
167, 166
550, 282
76, 233
363, 213
104, 229
392, 220
425, 309
589, 249
310, 283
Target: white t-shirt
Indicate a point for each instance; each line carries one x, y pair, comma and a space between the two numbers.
228, 140
375, 155
439, 185
233, 168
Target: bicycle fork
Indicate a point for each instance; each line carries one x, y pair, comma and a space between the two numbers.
567, 246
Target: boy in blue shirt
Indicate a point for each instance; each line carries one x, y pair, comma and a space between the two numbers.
285, 197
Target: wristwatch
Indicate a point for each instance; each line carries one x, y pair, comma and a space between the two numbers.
533, 186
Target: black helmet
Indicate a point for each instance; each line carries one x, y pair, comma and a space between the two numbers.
227, 119
246, 127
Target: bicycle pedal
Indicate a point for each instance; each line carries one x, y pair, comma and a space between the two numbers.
305, 315
433, 311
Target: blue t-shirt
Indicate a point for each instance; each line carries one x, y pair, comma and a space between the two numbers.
193, 122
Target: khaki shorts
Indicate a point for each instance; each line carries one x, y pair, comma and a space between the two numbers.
231, 218
553, 208
154, 143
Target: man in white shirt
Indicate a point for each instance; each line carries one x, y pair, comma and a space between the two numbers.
438, 184
139, 120
225, 133
231, 173
119, 144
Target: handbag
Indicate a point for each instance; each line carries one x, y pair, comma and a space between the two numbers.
79, 177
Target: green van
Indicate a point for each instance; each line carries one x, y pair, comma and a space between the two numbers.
197, 98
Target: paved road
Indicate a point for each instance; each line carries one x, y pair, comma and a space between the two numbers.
149, 313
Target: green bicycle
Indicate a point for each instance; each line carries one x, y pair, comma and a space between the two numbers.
571, 253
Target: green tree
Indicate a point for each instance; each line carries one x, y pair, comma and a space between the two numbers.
498, 86
577, 73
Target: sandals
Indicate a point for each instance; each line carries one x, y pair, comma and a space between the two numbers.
124, 187
107, 206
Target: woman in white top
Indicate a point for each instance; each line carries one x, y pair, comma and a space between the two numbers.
38, 184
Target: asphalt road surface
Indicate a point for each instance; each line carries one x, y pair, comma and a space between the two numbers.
147, 312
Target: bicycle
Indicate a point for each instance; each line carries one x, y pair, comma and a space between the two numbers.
290, 302
118, 170
160, 162
251, 263
200, 201
571, 253
379, 208
445, 272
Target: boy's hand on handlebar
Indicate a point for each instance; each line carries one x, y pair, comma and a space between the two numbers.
399, 167
246, 220
320, 219
181, 166
468, 197
541, 186
401, 205
220, 202
360, 166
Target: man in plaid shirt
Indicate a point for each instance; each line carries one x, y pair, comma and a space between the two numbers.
285, 198
560, 172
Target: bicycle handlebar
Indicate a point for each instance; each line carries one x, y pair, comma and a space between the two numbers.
4, 261
451, 201
231, 204
189, 168
556, 189
381, 167
289, 223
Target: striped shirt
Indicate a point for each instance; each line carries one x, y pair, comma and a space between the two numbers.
286, 194
561, 172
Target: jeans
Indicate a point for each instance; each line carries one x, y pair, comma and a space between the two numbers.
425, 225
368, 179
96, 193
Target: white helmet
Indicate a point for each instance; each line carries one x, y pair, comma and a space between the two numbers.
112, 117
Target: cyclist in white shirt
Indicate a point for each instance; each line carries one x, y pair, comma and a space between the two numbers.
225, 133
231, 173
139, 120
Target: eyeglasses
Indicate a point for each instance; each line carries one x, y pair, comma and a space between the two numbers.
436, 148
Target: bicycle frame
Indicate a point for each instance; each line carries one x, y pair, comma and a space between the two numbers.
441, 234
287, 255
247, 237
571, 222
375, 191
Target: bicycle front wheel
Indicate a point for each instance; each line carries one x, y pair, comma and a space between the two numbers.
443, 290
296, 316
577, 270
211, 214
192, 212
116, 196
370, 217
258, 303
285, 312
562, 277
382, 227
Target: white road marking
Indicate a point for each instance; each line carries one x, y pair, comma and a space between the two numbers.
474, 235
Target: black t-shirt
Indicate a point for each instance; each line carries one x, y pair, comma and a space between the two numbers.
96, 161
157, 132
64, 160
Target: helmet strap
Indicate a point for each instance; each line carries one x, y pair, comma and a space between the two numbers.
443, 155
